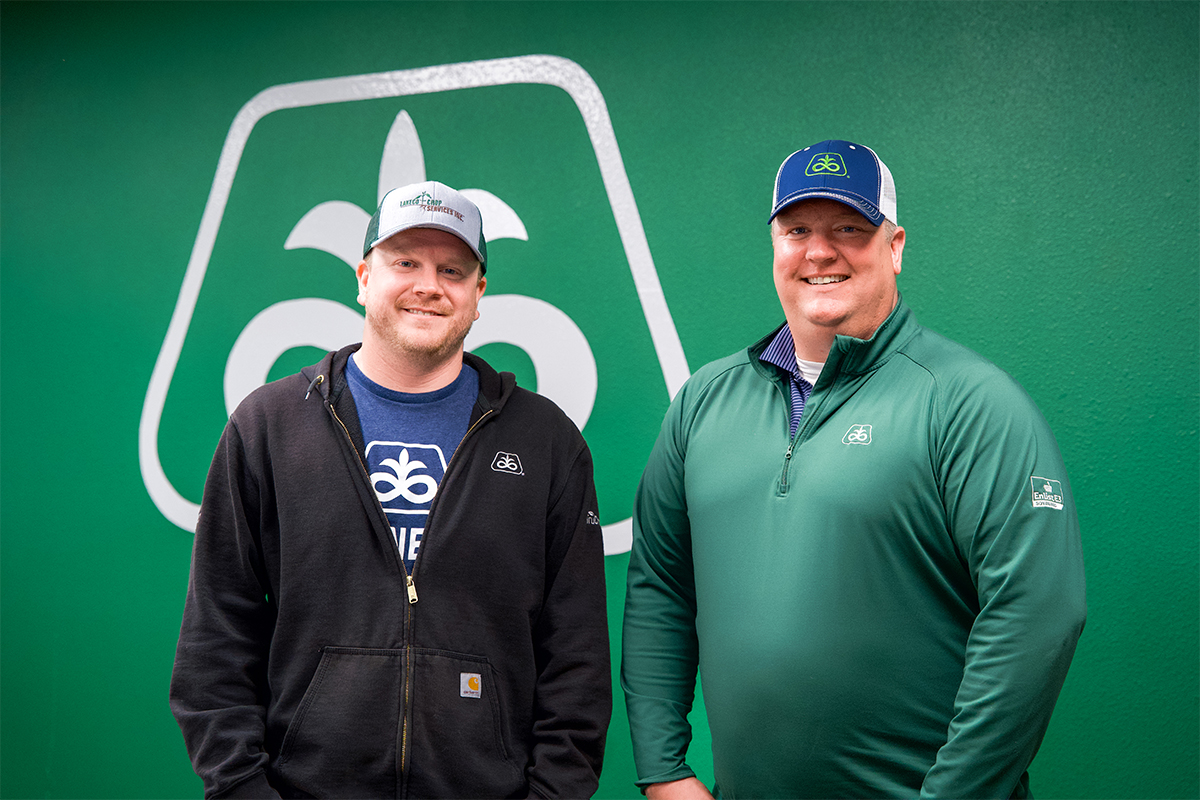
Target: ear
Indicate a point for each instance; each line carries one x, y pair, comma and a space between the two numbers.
362, 272
479, 294
897, 250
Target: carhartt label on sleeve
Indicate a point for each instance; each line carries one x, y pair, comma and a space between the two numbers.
469, 684
1046, 493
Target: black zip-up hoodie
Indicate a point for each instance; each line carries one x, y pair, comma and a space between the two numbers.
310, 664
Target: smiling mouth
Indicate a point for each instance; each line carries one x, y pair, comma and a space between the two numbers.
421, 313
821, 280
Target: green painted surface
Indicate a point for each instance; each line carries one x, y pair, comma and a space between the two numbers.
1046, 157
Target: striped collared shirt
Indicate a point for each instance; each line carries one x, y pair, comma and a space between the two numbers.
782, 353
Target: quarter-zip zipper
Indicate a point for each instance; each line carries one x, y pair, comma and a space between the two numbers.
810, 411
782, 489
787, 462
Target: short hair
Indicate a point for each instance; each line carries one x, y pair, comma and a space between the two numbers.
889, 229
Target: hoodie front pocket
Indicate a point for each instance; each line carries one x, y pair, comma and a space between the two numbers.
344, 739
460, 746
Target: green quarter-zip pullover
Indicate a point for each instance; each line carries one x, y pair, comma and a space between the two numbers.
883, 605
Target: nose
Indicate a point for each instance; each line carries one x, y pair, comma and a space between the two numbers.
819, 249
427, 281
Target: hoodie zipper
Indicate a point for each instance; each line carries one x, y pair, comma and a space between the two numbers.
410, 584
412, 599
411, 587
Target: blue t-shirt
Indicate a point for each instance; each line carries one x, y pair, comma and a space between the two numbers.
410, 439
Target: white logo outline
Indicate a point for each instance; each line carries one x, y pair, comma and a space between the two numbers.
857, 434
531, 69
509, 463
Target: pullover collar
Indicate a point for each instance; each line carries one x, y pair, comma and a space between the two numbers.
850, 356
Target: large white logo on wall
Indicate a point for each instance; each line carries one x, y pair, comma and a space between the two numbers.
561, 355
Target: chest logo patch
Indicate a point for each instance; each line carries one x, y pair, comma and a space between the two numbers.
508, 462
1046, 493
858, 434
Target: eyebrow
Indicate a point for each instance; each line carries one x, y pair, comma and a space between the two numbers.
405, 255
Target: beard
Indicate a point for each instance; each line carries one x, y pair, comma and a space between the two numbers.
423, 349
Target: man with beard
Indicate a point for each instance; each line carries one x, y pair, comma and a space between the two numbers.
397, 584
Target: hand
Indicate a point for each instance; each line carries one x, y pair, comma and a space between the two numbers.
682, 789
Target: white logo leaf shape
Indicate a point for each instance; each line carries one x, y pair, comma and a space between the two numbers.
402, 482
335, 227
403, 160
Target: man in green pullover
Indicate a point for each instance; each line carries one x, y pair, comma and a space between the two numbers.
859, 533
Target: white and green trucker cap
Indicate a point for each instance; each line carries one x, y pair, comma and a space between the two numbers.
428, 205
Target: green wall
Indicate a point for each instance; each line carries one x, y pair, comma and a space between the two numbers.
1046, 157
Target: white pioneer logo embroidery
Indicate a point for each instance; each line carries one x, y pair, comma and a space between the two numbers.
508, 462
1046, 493
858, 434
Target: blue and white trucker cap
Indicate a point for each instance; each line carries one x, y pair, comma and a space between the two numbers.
428, 205
838, 170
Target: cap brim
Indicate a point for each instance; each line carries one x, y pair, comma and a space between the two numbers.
859, 204
436, 226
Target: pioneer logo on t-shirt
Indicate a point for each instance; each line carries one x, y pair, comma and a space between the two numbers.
405, 477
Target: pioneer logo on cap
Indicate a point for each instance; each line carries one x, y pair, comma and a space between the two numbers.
827, 164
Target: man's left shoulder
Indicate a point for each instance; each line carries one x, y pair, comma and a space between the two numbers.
531, 408
950, 362
965, 379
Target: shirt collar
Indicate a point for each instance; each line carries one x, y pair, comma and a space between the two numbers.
782, 352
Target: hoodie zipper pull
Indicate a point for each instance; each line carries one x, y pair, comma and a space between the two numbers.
412, 590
